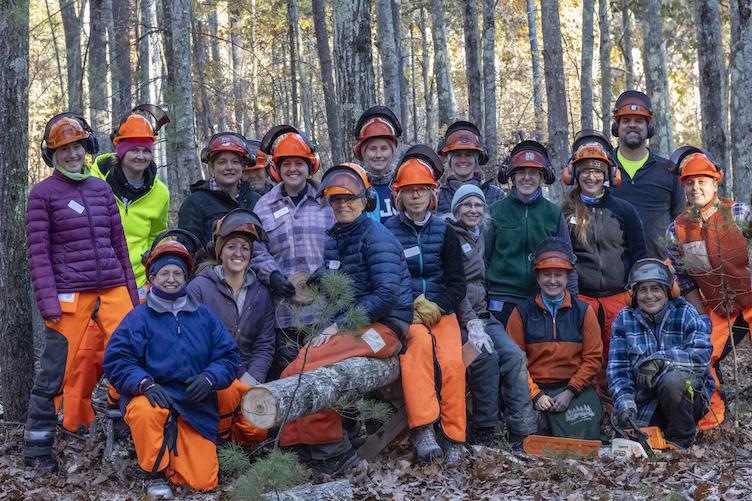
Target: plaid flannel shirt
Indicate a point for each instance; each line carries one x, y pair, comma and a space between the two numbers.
296, 242
684, 344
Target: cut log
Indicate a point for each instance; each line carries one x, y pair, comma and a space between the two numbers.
271, 404
328, 491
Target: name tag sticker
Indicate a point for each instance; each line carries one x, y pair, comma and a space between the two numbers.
572, 220
374, 340
281, 212
412, 251
333, 265
494, 305
67, 297
466, 247
76, 206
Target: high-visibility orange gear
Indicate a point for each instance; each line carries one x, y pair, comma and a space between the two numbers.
169, 247
632, 103
65, 130
553, 253
294, 145
428, 400
345, 179
375, 128
462, 135
227, 142
135, 126
232, 425
414, 172
697, 164
83, 377
262, 160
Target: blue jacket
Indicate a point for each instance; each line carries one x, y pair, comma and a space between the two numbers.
684, 344
172, 347
367, 252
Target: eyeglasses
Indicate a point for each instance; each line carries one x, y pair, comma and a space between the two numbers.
418, 190
592, 172
343, 199
473, 205
174, 274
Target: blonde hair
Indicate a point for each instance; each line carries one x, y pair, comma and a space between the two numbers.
574, 207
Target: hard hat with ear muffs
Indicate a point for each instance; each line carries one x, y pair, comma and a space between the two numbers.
650, 270
463, 135
231, 142
65, 128
688, 161
284, 141
241, 221
527, 154
190, 243
261, 159
592, 148
376, 122
136, 125
635, 103
348, 179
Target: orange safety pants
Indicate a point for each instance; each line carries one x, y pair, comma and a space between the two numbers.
719, 337
325, 427
433, 377
232, 425
193, 462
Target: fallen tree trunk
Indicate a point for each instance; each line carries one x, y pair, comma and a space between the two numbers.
271, 404
329, 491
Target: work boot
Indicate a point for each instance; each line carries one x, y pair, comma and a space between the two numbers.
157, 487
485, 436
46, 463
454, 452
425, 444
338, 464
515, 442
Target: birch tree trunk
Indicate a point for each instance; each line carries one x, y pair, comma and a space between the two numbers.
741, 98
143, 68
298, 63
605, 65
336, 140
72, 29
532, 30
427, 90
16, 332
626, 44
96, 72
489, 77
556, 93
656, 76
385, 41
238, 63
402, 56
472, 62
254, 75
219, 105
586, 69
444, 91
123, 13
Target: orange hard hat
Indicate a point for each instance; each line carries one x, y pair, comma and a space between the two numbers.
698, 164
65, 130
262, 160
414, 172
295, 145
553, 253
591, 152
632, 102
376, 122
345, 179
135, 126
227, 142
463, 135
169, 247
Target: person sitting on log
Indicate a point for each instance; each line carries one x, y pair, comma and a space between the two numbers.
167, 359
433, 374
363, 249
562, 339
244, 305
659, 360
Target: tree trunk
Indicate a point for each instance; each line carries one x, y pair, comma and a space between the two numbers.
586, 70
354, 62
238, 64
605, 64
220, 106
298, 65
72, 29
336, 141
122, 17
656, 76
444, 91
532, 30
489, 77
472, 62
271, 404
339, 490
143, 68
713, 96
16, 335
50, 17
741, 98
626, 44
556, 92
254, 75
200, 56
427, 91
402, 56
385, 41
99, 99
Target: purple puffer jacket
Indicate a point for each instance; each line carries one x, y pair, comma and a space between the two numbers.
75, 240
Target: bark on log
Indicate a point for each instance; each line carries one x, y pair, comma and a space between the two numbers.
271, 404
341, 489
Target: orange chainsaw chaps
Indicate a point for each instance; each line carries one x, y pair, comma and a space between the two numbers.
545, 446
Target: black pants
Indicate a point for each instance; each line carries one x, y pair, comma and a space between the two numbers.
678, 413
288, 344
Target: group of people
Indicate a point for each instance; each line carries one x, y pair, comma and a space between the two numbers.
620, 300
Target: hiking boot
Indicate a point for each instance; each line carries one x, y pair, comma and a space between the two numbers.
46, 463
515, 442
338, 464
485, 436
158, 488
425, 444
454, 452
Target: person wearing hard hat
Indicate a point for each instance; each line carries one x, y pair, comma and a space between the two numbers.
361, 248
659, 360
518, 223
561, 337
656, 195
295, 221
377, 132
226, 154
167, 359
708, 246
244, 305
80, 269
606, 232
255, 173
142, 200
464, 151
434, 259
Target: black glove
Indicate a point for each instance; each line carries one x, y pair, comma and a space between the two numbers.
157, 395
315, 277
623, 418
647, 372
281, 286
199, 387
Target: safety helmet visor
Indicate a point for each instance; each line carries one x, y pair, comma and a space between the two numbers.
342, 182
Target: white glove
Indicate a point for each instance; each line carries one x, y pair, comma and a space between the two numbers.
476, 334
249, 380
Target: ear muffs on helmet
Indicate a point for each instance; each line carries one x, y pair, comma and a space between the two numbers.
89, 142
348, 179
527, 154
463, 135
191, 242
230, 142
582, 148
661, 272
268, 144
675, 164
632, 102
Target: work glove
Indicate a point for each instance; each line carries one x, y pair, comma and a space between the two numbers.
647, 372
249, 380
198, 387
157, 395
315, 278
281, 286
476, 334
623, 417
428, 311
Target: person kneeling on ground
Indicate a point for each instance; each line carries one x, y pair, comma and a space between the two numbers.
371, 256
659, 360
562, 339
167, 358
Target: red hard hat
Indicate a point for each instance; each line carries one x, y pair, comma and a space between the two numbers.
65, 130
169, 247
